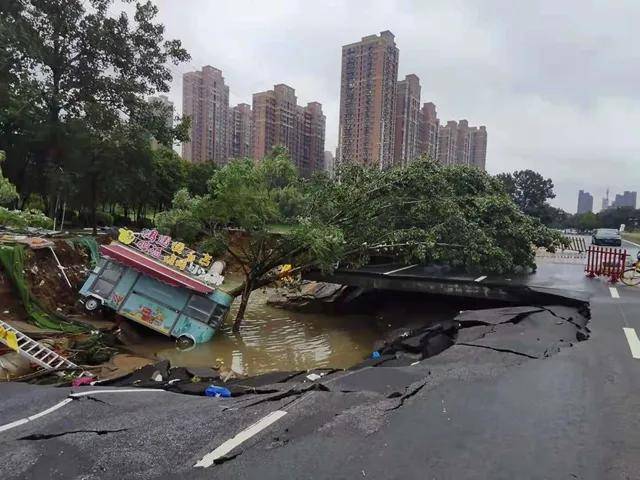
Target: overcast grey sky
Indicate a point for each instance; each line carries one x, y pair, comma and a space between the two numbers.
557, 82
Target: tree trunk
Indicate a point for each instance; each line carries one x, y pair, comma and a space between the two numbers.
244, 301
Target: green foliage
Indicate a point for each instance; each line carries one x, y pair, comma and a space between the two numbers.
263, 215
24, 218
588, 221
74, 119
8, 193
181, 221
198, 176
529, 190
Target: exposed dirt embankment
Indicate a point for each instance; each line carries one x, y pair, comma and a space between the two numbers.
46, 280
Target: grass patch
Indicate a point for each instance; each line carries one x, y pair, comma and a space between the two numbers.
632, 237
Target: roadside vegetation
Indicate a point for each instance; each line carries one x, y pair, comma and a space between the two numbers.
264, 215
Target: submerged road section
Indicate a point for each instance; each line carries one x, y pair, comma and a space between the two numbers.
542, 391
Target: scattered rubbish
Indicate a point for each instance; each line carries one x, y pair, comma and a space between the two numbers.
215, 391
375, 355
157, 377
79, 382
313, 377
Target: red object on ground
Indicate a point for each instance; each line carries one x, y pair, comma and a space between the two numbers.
605, 261
153, 268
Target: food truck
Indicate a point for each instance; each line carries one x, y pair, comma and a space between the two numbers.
158, 283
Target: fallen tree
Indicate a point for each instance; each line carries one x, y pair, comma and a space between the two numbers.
263, 216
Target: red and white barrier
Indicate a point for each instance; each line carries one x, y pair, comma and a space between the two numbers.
604, 261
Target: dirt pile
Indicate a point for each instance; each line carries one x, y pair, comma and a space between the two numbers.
46, 281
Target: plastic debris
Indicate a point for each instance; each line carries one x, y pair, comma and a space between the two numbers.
375, 355
218, 392
313, 377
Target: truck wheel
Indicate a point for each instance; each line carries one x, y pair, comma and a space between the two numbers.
91, 304
185, 342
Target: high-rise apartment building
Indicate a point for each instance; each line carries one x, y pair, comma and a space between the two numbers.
329, 163
279, 120
428, 126
478, 157
626, 199
241, 131
205, 99
313, 124
367, 100
447, 143
459, 144
585, 202
407, 120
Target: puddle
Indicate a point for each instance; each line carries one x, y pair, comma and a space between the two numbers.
276, 339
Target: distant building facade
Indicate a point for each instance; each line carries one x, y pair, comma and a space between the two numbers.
205, 99
626, 199
428, 127
367, 101
329, 163
460, 144
585, 202
279, 120
241, 131
407, 118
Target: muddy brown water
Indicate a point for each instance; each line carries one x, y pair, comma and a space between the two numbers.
277, 339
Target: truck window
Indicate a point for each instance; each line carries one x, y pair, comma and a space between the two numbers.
199, 308
107, 280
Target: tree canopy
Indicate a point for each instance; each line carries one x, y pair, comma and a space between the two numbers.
74, 117
530, 191
263, 215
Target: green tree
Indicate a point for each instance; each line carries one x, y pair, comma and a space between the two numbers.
420, 213
168, 175
8, 193
64, 60
529, 190
587, 221
198, 176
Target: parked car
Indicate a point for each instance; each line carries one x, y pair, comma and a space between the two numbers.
607, 236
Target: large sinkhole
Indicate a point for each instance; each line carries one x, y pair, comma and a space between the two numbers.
293, 332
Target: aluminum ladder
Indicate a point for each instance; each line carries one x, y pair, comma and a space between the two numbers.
35, 351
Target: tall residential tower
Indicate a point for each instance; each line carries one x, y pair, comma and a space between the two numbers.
367, 100
407, 120
205, 99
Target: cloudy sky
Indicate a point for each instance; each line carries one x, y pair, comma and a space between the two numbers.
557, 83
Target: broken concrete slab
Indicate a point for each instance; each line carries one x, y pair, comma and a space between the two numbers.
495, 316
379, 380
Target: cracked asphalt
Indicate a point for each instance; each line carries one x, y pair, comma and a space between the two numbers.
520, 394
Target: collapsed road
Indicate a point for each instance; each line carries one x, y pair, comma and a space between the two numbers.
500, 393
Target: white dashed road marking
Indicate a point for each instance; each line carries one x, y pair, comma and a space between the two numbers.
634, 342
400, 269
614, 292
241, 437
22, 421
479, 279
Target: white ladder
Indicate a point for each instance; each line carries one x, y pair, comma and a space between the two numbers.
36, 352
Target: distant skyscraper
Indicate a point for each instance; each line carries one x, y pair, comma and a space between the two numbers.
407, 120
279, 120
459, 144
479, 147
463, 143
605, 201
428, 127
329, 161
585, 202
367, 100
311, 157
205, 99
240, 127
447, 143
627, 199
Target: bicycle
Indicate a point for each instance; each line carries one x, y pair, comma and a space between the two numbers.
631, 276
